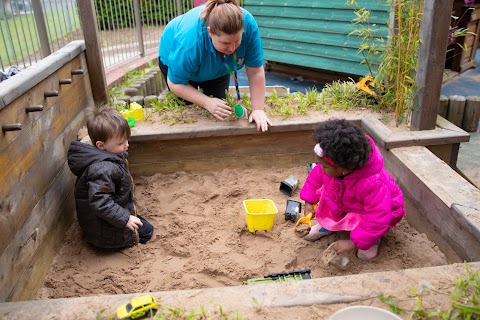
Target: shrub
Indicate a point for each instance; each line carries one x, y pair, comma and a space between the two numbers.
120, 13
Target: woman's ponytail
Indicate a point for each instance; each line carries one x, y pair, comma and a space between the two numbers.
223, 16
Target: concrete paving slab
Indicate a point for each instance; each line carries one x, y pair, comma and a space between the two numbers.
468, 162
306, 299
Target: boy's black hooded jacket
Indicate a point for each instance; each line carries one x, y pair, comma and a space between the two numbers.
103, 195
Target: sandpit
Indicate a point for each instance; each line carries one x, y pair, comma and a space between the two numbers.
201, 240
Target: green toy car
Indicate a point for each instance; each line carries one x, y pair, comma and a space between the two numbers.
137, 307
281, 277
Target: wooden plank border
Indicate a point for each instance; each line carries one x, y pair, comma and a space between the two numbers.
445, 133
15, 208
444, 141
443, 204
30, 77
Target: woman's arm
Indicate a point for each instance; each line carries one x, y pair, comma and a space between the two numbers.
217, 107
256, 81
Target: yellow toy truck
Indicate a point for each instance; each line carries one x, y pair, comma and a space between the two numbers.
137, 307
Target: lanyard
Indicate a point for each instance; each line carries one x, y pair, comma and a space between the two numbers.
232, 73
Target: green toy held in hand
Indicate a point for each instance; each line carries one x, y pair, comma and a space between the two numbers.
240, 111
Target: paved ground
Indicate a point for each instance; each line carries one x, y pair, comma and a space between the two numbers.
468, 162
312, 299
276, 79
467, 84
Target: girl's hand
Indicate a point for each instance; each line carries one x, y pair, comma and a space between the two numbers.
133, 223
218, 108
309, 208
343, 246
261, 119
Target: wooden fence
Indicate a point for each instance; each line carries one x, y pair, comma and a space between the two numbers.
40, 114
464, 112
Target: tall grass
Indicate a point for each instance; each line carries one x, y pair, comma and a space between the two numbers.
398, 68
397, 54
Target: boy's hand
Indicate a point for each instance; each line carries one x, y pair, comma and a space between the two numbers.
82, 133
133, 223
343, 246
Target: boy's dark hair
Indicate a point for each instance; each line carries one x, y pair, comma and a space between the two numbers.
343, 142
105, 123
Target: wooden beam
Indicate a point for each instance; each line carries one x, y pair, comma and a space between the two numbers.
221, 152
444, 134
92, 49
431, 62
144, 131
444, 203
425, 138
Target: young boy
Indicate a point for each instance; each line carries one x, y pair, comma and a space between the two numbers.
104, 196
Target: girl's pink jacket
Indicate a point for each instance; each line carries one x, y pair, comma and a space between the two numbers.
367, 201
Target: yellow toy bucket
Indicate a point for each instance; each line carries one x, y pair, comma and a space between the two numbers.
135, 111
259, 214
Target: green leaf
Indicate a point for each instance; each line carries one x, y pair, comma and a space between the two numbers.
392, 306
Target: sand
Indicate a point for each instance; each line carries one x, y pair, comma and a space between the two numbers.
201, 240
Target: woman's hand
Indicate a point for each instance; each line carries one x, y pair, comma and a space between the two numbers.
218, 108
343, 246
261, 119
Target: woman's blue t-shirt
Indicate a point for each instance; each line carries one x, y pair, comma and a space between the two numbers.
187, 49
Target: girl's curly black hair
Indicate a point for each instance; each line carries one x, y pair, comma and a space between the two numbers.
343, 142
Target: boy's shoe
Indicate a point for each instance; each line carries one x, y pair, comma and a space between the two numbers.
316, 233
370, 253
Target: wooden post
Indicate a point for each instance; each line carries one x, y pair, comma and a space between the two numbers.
471, 115
443, 106
131, 92
179, 7
96, 70
138, 27
431, 61
137, 99
147, 101
139, 88
41, 28
456, 108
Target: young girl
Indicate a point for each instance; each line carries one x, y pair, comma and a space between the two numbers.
353, 190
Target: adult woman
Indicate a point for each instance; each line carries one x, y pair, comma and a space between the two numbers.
200, 48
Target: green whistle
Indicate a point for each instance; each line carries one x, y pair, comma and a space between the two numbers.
240, 111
